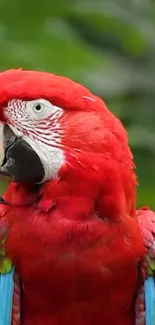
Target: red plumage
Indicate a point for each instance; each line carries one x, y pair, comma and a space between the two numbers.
75, 240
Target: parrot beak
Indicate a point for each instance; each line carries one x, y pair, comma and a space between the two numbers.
18, 161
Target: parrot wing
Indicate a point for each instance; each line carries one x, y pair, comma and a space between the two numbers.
146, 220
5, 263
9, 282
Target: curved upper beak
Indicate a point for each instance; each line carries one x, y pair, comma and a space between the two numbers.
7, 139
18, 161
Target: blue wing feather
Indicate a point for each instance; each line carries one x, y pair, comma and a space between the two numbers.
6, 297
150, 300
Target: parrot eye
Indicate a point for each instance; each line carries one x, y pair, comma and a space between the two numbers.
39, 109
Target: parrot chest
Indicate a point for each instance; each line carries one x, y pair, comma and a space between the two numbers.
76, 287
73, 273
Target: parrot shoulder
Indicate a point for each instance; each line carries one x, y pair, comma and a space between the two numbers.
5, 263
146, 220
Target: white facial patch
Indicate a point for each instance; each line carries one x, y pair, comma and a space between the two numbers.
51, 158
37, 122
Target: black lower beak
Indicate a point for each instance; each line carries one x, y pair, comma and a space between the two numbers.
21, 163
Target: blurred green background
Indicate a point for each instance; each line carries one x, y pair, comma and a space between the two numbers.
107, 45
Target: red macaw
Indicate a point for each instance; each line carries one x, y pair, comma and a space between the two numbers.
68, 220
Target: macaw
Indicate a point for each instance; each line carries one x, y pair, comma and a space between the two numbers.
70, 236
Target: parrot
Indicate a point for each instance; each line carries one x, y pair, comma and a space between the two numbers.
78, 249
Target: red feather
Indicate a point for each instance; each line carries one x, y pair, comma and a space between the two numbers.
74, 264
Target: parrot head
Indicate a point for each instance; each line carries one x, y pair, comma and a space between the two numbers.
52, 128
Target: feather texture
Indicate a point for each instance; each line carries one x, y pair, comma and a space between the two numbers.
6, 297
16, 308
146, 220
150, 300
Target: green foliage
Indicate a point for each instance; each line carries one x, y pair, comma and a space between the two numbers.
108, 45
